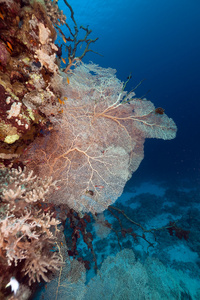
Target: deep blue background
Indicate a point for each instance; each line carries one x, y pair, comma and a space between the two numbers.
159, 41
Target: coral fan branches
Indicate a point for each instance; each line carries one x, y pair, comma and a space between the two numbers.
98, 142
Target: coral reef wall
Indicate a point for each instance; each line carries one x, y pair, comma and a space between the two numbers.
27, 61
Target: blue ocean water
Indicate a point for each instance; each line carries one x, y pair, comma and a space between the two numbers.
157, 41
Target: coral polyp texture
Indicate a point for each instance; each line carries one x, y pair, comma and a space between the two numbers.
97, 142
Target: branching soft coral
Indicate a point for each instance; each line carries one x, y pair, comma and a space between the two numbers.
27, 234
18, 234
21, 187
39, 261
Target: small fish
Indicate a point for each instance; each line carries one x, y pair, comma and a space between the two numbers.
63, 60
9, 50
46, 209
60, 101
67, 80
70, 61
65, 98
99, 186
1, 16
9, 45
159, 111
90, 192
64, 39
14, 285
61, 243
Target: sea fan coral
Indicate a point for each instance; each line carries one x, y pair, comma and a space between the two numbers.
97, 143
27, 234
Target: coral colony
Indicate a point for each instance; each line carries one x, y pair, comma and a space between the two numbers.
70, 139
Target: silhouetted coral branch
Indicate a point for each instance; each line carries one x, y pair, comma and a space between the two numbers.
73, 40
